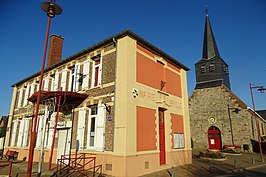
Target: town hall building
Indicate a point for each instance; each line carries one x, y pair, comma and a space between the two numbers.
123, 101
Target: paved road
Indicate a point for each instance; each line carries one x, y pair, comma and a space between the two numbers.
256, 172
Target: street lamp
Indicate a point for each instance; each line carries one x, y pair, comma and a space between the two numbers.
51, 9
261, 90
235, 110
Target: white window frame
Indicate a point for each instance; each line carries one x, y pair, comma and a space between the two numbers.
99, 128
99, 72
179, 141
95, 116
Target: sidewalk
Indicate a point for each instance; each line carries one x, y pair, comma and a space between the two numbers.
198, 168
210, 168
19, 169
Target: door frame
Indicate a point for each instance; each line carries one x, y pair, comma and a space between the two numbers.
217, 140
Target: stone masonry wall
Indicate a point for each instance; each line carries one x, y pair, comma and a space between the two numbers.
213, 102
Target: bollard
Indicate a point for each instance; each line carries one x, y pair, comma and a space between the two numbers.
253, 160
172, 171
262, 159
235, 163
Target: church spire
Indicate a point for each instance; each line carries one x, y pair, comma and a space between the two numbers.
210, 49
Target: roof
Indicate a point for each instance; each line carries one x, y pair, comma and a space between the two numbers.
257, 114
122, 34
210, 49
232, 96
262, 113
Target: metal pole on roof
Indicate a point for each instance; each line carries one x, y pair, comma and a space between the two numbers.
51, 9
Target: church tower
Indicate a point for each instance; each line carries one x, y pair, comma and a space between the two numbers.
211, 70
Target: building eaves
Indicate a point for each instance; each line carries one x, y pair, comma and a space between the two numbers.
104, 42
262, 113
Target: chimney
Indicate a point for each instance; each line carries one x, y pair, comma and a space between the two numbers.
55, 50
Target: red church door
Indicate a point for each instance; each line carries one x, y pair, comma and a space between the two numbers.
214, 138
162, 136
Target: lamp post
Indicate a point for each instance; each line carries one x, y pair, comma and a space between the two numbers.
51, 9
236, 110
261, 90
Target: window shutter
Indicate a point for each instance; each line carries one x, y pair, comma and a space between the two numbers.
20, 134
26, 95
46, 83
26, 132
32, 89
86, 71
76, 77
63, 80
56, 80
14, 133
20, 98
50, 131
39, 134
81, 127
100, 128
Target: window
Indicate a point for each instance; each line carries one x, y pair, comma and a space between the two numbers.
92, 123
96, 73
211, 67
178, 140
96, 127
203, 69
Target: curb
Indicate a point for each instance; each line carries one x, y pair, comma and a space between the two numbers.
256, 166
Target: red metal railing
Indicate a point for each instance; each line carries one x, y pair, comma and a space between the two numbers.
5, 165
81, 163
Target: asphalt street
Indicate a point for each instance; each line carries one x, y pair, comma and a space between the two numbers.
255, 172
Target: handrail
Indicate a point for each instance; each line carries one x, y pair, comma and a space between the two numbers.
9, 164
77, 163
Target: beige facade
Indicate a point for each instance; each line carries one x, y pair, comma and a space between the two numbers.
122, 112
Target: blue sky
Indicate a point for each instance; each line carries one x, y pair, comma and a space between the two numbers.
174, 26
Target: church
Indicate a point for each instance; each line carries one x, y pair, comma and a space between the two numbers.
218, 117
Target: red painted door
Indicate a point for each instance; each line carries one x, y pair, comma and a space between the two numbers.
162, 137
214, 138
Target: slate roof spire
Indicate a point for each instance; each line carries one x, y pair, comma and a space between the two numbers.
210, 49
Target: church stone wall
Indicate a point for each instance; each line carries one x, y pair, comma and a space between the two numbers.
213, 103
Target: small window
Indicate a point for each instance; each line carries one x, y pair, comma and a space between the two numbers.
210, 135
179, 141
211, 67
203, 69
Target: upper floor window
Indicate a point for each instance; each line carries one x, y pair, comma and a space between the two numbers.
96, 71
